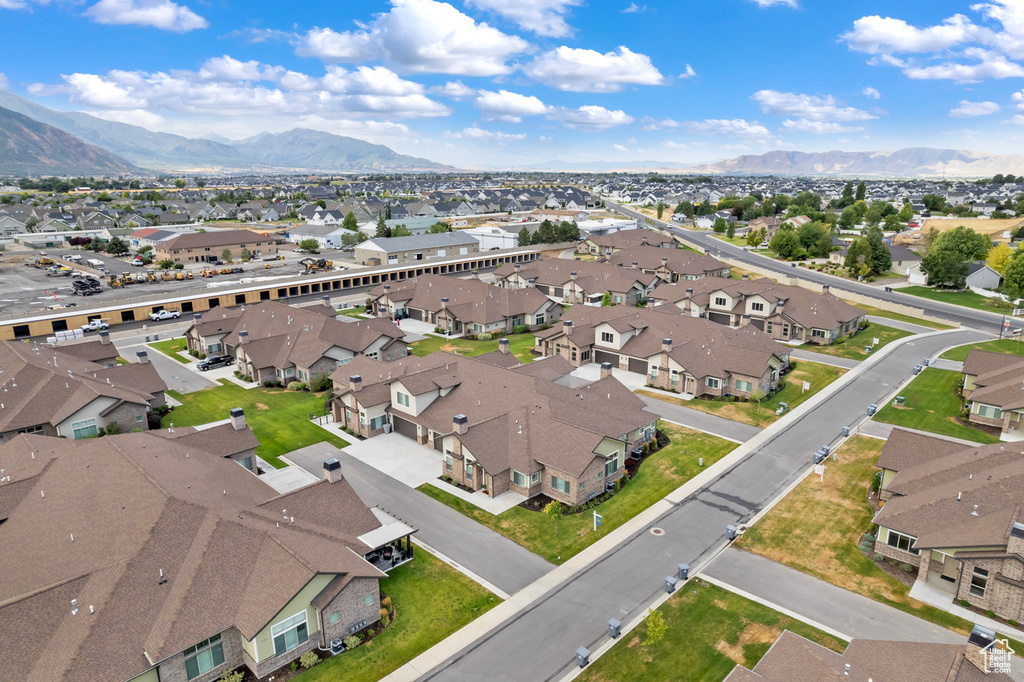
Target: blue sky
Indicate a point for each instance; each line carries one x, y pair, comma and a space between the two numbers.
497, 83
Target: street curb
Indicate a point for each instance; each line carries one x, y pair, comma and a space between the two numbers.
490, 587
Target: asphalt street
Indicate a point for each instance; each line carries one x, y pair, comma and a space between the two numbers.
177, 376
622, 581
701, 421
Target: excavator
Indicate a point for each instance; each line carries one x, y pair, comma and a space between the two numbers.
316, 265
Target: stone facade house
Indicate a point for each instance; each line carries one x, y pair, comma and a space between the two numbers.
670, 265
500, 427
578, 281
271, 341
992, 383
607, 244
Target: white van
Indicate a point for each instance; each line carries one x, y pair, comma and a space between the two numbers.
95, 262
75, 258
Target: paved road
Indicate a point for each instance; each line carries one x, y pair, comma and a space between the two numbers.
177, 376
493, 557
702, 421
617, 585
965, 316
848, 363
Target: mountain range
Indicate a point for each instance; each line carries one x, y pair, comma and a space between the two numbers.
28, 147
298, 149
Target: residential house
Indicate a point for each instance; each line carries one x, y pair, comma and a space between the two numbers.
48, 391
463, 306
155, 558
327, 236
769, 225
670, 265
953, 512
99, 350
396, 250
607, 244
981, 276
202, 247
271, 341
903, 259
500, 428
993, 387
578, 281
680, 354
786, 313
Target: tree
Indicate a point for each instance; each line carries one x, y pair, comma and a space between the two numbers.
200, 183
246, 255
545, 234
350, 222
439, 227
906, 213
686, 208
862, 191
934, 202
606, 300
31, 224
847, 198
928, 238
180, 184
322, 204
225, 255
353, 238
661, 209
757, 395
1013, 276
881, 259
524, 237
656, 628
730, 231
165, 264
383, 231
848, 218
945, 268
858, 254
964, 243
553, 510
998, 258
116, 247
567, 232
720, 226
400, 231
307, 245
786, 244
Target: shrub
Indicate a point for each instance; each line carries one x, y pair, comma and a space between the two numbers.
320, 382
520, 329
383, 612
351, 642
990, 613
113, 428
296, 386
964, 602
878, 558
385, 619
385, 602
308, 659
907, 568
232, 676
485, 336
267, 383
201, 356
194, 353
179, 266
1013, 622
294, 665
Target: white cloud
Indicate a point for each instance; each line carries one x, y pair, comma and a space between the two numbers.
162, 14
651, 124
420, 36
990, 65
967, 109
634, 8
808, 107
885, 35
871, 93
689, 73
770, 3
590, 117
582, 70
506, 106
135, 117
1016, 119
456, 90
5, 82
820, 127
736, 127
474, 133
620, 148
227, 68
543, 17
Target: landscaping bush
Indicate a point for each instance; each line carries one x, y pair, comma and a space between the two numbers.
964, 602
194, 353
113, 428
878, 558
907, 568
485, 336
990, 613
385, 619
320, 382
1013, 622
438, 330
308, 659
297, 386
232, 676
520, 329
179, 266
267, 383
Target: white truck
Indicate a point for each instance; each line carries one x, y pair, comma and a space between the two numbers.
95, 326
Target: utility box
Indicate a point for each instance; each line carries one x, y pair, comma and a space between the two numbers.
614, 628
901, 400
926, 362
872, 408
867, 350
730, 532
683, 571
582, 657
670, 584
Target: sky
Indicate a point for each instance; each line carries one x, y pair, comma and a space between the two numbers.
513, 83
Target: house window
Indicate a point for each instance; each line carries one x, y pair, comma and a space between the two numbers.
290, 633
518, 479
448, 461
572, 353
743, 386
403, 398
367, 600
902, 542
720, 301
362, 419
303, 376
290, 372
713, 382
585, 355
214, 348
139, 417
757, 307
990, 411
581, 486
654, 373
477, 328
612, 465
979, 581
535, 478
768, 327
560, 485
616, 299
607, 337
204, 657
539, 318
32, 429
469, 469
83, 429
818, 333
378, 422
335, 617
785, 331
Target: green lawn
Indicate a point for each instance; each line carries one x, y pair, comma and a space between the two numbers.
519, 345
1008, 346
853, 347
968, 299
932, 403
353, 312
817, 374
710, 630
660, 474
878, 312
279, 418
816, 529
431, 599
171, 347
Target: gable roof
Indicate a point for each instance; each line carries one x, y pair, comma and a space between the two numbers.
470, 300
198, 240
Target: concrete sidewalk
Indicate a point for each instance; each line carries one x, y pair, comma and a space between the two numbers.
876, 429
823, 359
899, 324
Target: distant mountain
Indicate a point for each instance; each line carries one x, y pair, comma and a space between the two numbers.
608, 166
298, 149
912, 162
28, 147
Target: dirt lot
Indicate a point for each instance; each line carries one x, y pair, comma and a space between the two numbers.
979, 225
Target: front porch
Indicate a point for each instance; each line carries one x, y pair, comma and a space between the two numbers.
392, 542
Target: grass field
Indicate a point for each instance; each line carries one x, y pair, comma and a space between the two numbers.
854, 346
519, 345
871, 310
817, 527
1008, 346
817, 374
432, 600
967, 299
353, 312
710, 630
279, 418
932, 403
660, 474
171, 347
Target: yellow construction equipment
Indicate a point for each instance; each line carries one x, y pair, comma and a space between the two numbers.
178, 275
189, 275
207, 273
225, 271
150, 276
113, 282
316, 264
166, 276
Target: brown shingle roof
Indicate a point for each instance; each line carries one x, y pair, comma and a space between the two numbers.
980, 362
680, 261
470, 300
218, 238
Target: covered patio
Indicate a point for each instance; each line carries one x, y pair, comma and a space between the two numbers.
392, 542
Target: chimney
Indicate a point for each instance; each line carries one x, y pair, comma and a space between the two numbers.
105, 337
824, 289
326, 300
980, 639
355, 383
197, 316
519, 266
666, 345
460, 424
745, 277
387, 289
444, 303
746, 320
664, 260
780, 307
142, 356
606, 370
634, 265
573, 276
503, 346
689, 292
567, 327
332, 470
243, 337
238, 418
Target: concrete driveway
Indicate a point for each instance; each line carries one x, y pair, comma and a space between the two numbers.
401, 458
178, 377
592, 372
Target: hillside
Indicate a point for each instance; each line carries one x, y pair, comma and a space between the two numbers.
912, 162
314, 149
28, 147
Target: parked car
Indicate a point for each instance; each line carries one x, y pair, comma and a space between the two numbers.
95, 325
137, 262
214, 361
164, 315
